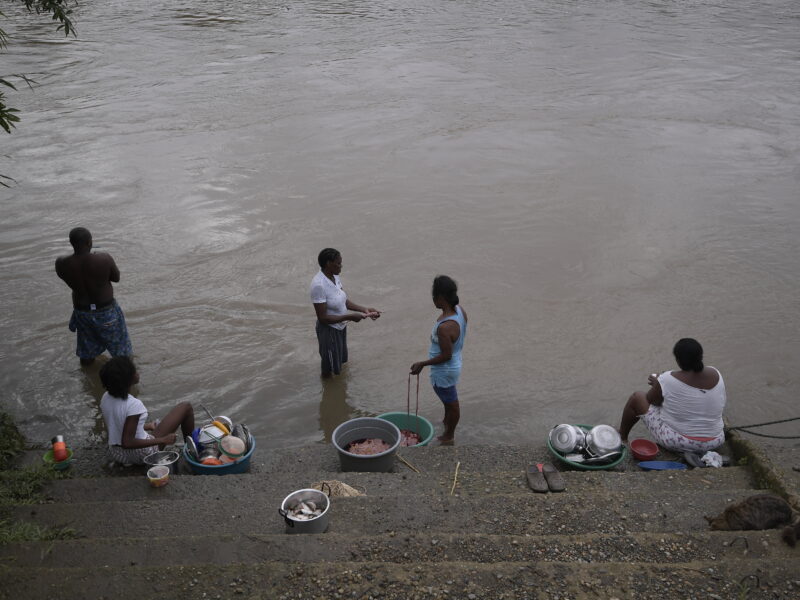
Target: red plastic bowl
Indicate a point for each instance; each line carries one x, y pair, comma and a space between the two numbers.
643, 449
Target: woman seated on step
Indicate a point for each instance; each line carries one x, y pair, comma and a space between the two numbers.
683, 409
126, 417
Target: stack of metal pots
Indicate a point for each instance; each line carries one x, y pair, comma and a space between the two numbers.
599, 444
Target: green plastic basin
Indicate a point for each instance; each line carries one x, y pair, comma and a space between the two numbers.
419, 425
58, 466
582, 466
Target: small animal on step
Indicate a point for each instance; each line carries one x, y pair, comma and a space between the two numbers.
762, 511
791, 534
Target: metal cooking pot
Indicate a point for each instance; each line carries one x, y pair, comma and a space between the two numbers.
567, 438
317, 524
602, 440
166, 458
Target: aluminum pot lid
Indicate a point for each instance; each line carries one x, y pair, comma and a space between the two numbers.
563, 437
191, 447
603, 439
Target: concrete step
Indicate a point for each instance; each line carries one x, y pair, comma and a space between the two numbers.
470, 483
734, 578
92, 461
399, 547
537, 514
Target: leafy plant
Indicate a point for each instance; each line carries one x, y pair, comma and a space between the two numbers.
24, 486
22, 531
11, 440
60, 11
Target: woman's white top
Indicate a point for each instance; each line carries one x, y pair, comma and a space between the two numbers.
690, 410
330, 292
115, 411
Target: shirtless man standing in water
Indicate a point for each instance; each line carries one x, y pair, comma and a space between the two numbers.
97, 318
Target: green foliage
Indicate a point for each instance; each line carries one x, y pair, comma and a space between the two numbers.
12, 532
24, 486
11, 441
60, 11
58, 8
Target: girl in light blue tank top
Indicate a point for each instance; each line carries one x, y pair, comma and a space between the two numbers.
444, 356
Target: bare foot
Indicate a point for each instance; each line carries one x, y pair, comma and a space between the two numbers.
445, 441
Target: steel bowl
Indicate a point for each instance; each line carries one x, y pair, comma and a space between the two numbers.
167, 458
602, 440
225, 421
567, 438
210, 435
208, 452
191, 448
238, 431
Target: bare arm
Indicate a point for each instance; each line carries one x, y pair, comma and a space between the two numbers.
654, 394
448, 332
326, 319
353, 306
60, 267
130, 441
373, 313
113, 270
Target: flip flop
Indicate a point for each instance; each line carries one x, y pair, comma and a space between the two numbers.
693, 460
555, 481
536, 479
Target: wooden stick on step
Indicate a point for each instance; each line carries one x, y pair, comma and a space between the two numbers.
408, 464
455, 478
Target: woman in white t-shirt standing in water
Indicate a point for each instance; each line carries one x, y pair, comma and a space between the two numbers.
126, 417
683, 409
333, 310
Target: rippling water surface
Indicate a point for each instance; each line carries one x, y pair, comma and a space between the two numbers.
600, 178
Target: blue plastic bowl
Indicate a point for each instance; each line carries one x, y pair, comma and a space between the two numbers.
240, 465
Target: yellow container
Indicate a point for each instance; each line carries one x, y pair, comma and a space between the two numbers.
158, 476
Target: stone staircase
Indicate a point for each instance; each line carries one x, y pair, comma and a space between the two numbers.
624, 534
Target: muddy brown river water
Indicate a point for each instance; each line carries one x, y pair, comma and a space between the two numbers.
600, 178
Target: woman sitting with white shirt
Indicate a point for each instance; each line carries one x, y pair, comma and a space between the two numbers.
126, 417
683, 409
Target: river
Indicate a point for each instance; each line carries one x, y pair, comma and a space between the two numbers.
600, 178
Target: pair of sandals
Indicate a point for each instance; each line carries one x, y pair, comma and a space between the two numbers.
544, 477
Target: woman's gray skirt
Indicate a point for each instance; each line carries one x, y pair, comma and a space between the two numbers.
332, 348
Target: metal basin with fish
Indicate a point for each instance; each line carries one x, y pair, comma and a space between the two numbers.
364, 428
313, 524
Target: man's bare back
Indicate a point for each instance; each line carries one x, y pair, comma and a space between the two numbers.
88, 274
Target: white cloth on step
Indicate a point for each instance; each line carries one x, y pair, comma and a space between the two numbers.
712, 459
